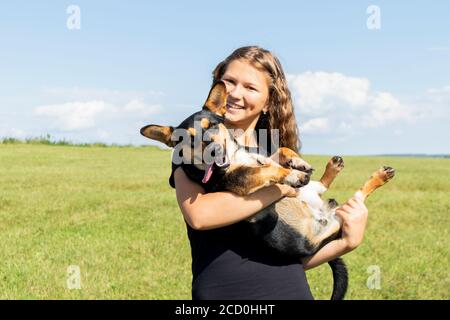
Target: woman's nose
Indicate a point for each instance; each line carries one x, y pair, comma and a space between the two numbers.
235, 92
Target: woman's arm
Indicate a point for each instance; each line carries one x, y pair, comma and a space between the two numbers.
354, 217
203, 211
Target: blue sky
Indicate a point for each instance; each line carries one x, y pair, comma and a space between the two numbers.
357, 90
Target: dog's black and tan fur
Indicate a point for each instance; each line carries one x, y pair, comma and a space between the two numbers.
296, 226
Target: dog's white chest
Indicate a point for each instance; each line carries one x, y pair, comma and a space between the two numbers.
242, 157
310, 194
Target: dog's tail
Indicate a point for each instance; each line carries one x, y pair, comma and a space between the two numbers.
340, 278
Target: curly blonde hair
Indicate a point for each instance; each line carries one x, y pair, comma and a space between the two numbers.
280, 113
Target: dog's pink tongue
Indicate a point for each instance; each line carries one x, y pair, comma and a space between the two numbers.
208, 173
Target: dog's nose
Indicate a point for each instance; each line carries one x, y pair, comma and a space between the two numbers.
306, 180
308, 171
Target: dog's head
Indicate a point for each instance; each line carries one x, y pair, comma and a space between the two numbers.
199, 139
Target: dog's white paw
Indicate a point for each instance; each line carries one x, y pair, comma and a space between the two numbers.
299, 164
296, 179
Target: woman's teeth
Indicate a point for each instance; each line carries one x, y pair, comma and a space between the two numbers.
234, 106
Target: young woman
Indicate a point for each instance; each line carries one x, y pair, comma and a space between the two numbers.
227, 263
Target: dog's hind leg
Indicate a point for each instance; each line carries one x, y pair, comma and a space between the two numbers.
378, 178
334, 166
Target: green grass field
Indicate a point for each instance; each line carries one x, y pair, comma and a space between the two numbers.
111, 212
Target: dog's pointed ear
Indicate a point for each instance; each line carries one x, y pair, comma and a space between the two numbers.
159, 133
217, 99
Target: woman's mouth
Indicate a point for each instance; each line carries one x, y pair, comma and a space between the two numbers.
231, 107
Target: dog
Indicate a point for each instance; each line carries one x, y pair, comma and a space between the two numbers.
295, 226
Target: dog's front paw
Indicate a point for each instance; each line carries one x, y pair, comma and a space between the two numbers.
299, 164
335, 164
297, 179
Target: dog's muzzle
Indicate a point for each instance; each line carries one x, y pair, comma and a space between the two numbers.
222, 162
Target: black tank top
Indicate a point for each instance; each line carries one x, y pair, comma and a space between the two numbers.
230, 264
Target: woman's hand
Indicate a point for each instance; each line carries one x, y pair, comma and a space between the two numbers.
354, 217
229, 208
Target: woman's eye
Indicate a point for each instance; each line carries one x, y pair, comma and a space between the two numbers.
229, 81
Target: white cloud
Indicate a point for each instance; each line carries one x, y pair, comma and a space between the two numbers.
345, 126
319, 92
12, 132
316, 125
385, 108
337, 112
96, 114
99, 109
75, 115
433, 104
347, 101
103, 134
139, 107
439, 95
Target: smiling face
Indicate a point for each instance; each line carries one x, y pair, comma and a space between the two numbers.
248, 94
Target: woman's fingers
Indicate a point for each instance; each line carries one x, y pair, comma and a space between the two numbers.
347, 208
342, 214
352, 203
357, 199
354, 216
352, 206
